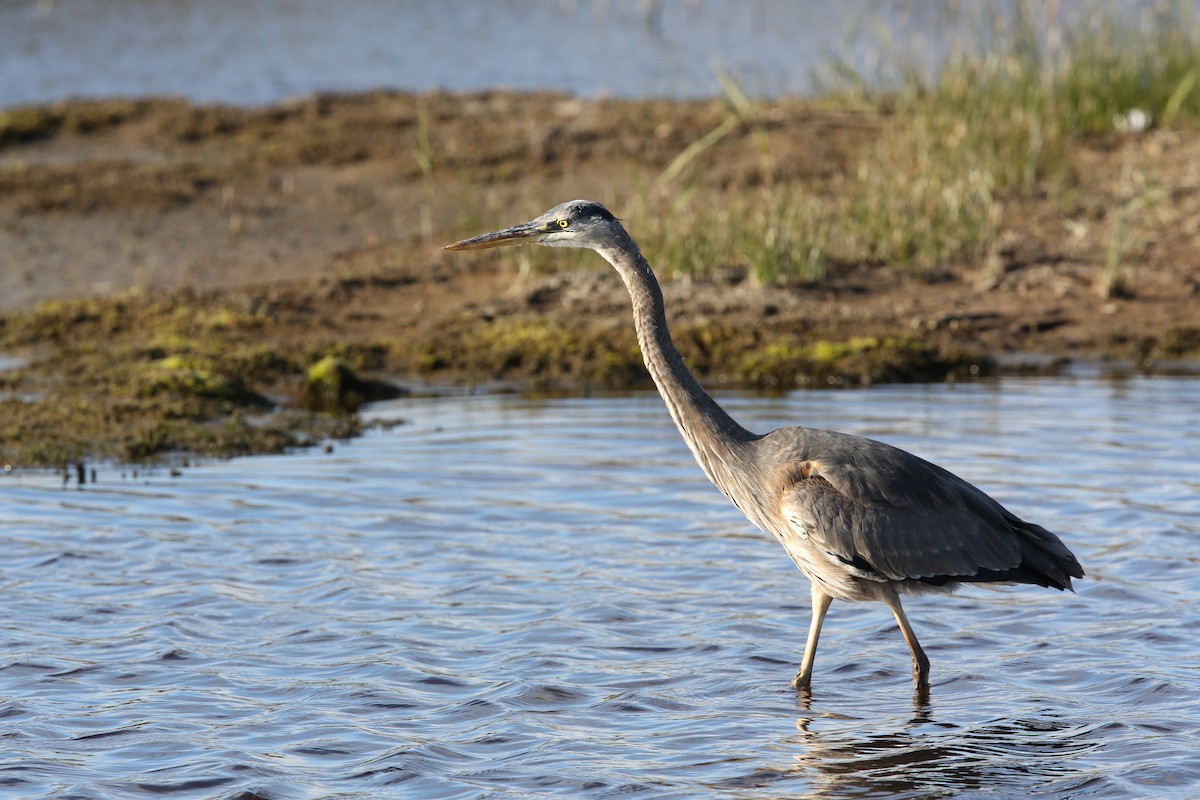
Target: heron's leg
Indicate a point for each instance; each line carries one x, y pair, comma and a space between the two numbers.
920, 660
820, 604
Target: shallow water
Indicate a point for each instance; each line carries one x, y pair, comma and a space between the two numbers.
510, 597
250, 53
236, 52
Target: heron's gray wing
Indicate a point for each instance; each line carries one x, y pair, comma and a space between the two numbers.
892, 515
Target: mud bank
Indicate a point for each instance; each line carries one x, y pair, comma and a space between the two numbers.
175, 276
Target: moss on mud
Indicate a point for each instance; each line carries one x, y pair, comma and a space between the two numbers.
858, 361
136, 376
333, 385
139, 375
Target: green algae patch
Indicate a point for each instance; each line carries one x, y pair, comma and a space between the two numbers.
331, 375
237, 434
540, 351
138, 376
174, 374
538, 346
861, 360
773, 365
1180, 341
24, 123
27, 123
333, 385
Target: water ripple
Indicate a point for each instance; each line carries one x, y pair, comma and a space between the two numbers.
514, 597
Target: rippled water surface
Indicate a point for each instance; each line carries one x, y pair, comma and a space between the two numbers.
231, 51
238, 52
507, 597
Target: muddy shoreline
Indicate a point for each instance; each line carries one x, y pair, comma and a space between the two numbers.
173, 275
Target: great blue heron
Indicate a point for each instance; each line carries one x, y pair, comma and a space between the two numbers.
862, 519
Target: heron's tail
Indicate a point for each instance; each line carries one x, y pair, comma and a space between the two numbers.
1044, 557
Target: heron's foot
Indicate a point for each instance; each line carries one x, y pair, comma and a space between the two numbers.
921, 672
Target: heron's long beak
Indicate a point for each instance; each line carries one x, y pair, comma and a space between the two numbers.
517, 234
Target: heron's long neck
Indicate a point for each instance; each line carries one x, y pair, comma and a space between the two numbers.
711, 434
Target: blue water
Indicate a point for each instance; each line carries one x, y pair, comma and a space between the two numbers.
511, 597
224, 50
265, 51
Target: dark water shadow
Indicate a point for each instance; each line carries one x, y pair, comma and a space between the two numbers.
928, 756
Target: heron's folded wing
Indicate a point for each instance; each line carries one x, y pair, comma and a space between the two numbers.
926, 524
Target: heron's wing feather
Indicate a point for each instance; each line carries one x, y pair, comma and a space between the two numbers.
900, 517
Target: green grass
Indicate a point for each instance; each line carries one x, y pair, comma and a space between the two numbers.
995, 122
990, 125
960, 148
1108, 70
771, 233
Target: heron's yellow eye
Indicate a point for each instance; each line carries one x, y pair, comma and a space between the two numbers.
564, 223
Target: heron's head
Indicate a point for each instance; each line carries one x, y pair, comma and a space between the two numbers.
577, 223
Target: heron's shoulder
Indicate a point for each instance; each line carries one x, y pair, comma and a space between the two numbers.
866, 470
797, 444
803, 456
